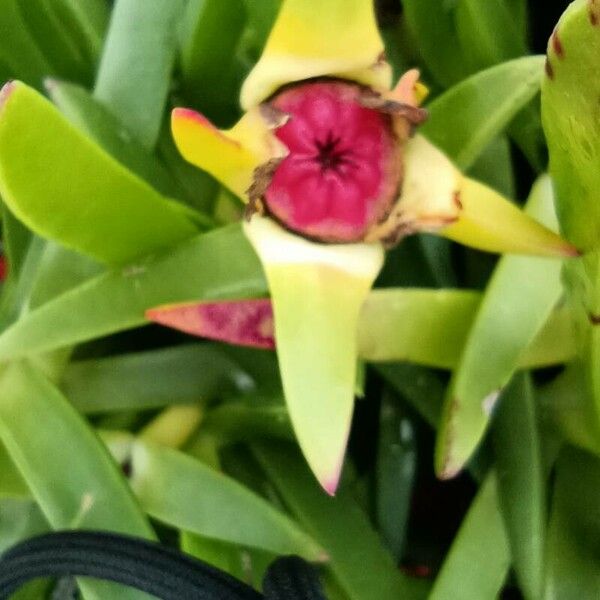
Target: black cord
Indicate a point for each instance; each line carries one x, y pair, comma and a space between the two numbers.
149, 567
292, 578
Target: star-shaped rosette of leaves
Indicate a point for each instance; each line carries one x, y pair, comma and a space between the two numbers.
328, 160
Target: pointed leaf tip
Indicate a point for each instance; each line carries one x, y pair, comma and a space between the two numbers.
6, 91
436, 197
490, 222
317, 292
241, 322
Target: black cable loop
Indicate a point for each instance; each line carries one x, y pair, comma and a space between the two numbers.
147, 566
130, 551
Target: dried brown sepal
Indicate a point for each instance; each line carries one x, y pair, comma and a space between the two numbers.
262, 178
414, 114
398, 225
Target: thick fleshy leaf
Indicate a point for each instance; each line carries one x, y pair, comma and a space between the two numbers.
317, 292
216, 265
567, 405
478, 561
524, 288
424, 326
11, 482
86, 22
339, 39
229, 156
94, 495
191, 373
573, 569
17, 290
574, 143
570, 95
59, 270
358, 561
432, 23
183, 492
464, 120
19, 53
489, 32
520, 474
135, 70
124, 218
430, 327
55, 41
395, 472
91, 117
21, 519
250, 419
211, 32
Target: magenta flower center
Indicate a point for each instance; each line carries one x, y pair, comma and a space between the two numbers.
343, 169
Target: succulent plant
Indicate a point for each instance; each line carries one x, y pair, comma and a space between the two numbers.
338, 151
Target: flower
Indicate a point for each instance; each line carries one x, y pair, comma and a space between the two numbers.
343, 168
326, 159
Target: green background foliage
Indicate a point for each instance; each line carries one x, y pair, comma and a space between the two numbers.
491, 362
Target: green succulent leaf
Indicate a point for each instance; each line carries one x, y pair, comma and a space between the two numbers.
467, 118
432, 23
20, 55
358, 561
397, 456
216, 265
58, 271
570, 101
91, 117
94, 495
489, 31
573, 562
94, 205
11, 482
478, 561
177, 375
183, 492
520, 474
524, 290
210, 74
570, 105
55, 40
135, 69
86, 21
